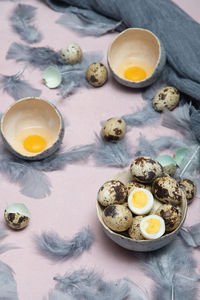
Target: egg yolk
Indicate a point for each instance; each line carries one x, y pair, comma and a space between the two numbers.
153, 225
139, 199
135, 74
34, 143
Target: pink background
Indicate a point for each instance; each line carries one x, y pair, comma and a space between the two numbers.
71, 204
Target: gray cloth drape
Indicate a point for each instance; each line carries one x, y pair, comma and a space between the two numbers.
179, 33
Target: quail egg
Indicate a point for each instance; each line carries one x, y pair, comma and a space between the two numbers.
168, 163
167, 190
140, 201
171, 216
168, 97
152, 227
97, 74
17, 216
72, 54
117, 217
111, 192
133, 185
134, 231
189, 189
114, 129
145, 169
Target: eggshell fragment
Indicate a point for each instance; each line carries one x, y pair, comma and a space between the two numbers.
52, 77
167, 98
168, 163
97, 74
145, 169
117, 217
17, 216
111, 192
114, 129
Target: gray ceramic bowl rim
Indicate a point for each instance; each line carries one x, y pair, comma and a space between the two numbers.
137, 29
147, 242
60, 134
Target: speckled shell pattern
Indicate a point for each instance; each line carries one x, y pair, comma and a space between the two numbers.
189, 189
113, 129
112, 192
171, 216
167, 98
156, 73
15, 220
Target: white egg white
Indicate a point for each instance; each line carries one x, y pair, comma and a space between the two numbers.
141, 210
145, 223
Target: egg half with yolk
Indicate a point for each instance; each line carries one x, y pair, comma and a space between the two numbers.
34, 143
135, 73
140, 201
152, 227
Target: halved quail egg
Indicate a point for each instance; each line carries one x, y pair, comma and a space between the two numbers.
140, 201
152, 227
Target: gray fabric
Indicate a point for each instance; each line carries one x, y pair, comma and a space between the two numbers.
179, 33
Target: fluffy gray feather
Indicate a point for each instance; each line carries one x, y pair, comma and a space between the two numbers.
84, 21
191, 235
89, 285
8, 286
173, 269
5, 247
22, 17
149, 92
195, 123
112, 154
59, 160
52, 246
145, 116
40, 57
16, 87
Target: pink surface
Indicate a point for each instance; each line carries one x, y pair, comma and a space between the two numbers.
71, 204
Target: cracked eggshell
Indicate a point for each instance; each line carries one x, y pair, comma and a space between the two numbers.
97, 74
167, 98
72, 54
134, 231
145, 169
52, 77
167, 190
189, 189
114, 129
171, 215
17, 216
117, 217
111, 192
32, 116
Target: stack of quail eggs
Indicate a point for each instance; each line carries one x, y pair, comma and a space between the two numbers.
147, 207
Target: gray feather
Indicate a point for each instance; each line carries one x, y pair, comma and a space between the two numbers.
112, 154
5, 247
145, 148
22, 17
41, 57
172, 267
59, 160
89, 285
191, 235
145, 116
149, 92
84, 21
33, 183
57, 295
16, 87
52, 246
195, 123
8, 286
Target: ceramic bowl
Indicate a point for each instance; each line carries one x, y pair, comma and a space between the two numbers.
144, 245
136, 47
27, 118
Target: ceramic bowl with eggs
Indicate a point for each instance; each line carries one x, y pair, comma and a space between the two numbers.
141, 208
136, 57
32, 128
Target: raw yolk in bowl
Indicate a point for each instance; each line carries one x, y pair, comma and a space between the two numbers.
135, 74
34, 143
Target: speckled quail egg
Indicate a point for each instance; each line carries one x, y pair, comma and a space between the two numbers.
17, 216
145, 169
140, 201
171, 216
167, 190
72, 54
156, 205
167, 98
133, 185
134, 231
111, 192
189, 189
117, 217
97, 74
114, 129
152, 227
